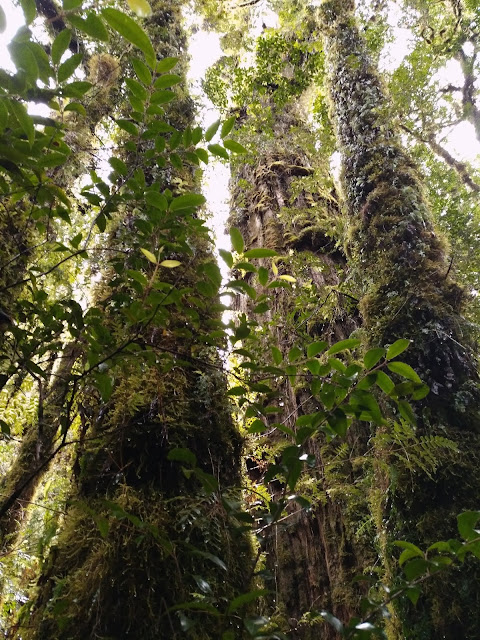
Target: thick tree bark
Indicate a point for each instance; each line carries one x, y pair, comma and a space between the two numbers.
142, 533
314, 555
409, 292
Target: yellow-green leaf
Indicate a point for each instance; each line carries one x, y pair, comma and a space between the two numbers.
140, 7
149, 255
170, 264
287, 278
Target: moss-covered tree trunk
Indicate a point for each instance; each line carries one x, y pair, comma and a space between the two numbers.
145, 531
283, 199
17, 250
408, 290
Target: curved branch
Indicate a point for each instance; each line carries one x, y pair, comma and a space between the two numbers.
460, 167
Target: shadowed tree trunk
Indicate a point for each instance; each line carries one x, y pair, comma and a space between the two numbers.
280, 202
409, 292
144, 531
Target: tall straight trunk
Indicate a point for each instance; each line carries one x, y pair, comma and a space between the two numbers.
144, 532
276, 203
408, 291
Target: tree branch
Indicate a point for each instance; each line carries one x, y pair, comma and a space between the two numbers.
460, 167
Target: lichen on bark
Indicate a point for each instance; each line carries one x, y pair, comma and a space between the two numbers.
408, 291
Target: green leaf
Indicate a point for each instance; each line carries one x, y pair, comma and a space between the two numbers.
313, 366
187, 201
404, 370
29, 10
385, 383
226, 257
263, 307
277, 355
245, 598
76, 107
166, 64
315, 348
119, 166
91, 25
294, 354
212, 130
167, 80
69, 5
3, 115
103, 525
60, 45
237, 391
218, 150
24, 120
162, 97
397, 348
76, 89
343, 345
421, 392
260, 253
263, 276
101, 222
466, 523
131, 31
372, 357
182, 455
257, 426
415, 568
287, 278
227, 126
237, 240
137, 89
234, 146
170, 264
140, 7
157, 200
410, 551
413, 594
24, 59
66, 69
149, 255
406, 411
128, 126
4, 427
202, 154
143, 72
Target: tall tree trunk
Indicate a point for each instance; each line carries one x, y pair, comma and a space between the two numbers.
35, 451
143, 531
278, 203
408, 291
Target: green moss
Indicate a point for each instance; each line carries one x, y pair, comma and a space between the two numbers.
400, 264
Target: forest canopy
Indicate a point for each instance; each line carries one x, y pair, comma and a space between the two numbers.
275, 438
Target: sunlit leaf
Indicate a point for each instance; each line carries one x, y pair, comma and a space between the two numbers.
149, 255
397, 348
140, 7
170, 264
